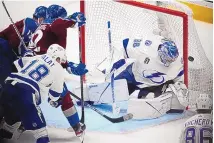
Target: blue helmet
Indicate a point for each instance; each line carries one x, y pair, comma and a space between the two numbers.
55, 11
40, 12
168, 52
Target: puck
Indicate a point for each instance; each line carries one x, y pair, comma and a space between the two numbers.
190, 58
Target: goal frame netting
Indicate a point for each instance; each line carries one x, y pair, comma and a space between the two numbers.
183, 15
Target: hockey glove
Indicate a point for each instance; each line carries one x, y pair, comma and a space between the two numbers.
77, 69
55, 104
28, 53
79, 18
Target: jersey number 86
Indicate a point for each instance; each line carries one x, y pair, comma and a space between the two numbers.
201, 135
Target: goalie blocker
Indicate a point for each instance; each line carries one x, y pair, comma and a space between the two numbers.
174, 99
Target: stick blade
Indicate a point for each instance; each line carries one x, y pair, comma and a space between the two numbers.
126, 117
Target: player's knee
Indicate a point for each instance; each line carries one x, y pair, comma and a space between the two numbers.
67, 102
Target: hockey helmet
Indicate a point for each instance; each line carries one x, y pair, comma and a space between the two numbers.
40, 12
55, 11
57, 51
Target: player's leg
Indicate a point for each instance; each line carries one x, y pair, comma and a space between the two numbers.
10, 124
70, 112
178, 91
156, 90
30, 113
23, 99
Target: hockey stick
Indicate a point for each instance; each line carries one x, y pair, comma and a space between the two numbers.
115, 109
82, 120
14, 26
113, 120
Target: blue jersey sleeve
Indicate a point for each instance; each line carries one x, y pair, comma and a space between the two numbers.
29, 28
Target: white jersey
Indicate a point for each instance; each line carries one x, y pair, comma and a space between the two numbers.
147, 68
40, 72
198, 129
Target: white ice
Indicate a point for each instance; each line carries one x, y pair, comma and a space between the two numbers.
165, 133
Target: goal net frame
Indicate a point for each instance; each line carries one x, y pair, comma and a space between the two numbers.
183, 15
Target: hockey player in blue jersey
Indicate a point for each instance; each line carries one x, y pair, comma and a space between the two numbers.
22, 90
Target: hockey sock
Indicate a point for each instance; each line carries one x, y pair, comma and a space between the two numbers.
69, 110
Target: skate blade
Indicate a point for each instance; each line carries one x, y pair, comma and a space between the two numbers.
82, 137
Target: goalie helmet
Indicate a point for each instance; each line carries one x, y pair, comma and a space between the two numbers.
57, 51
40, 12
168, 52
204, 102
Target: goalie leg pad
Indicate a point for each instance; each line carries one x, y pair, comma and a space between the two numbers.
102, 92
149, 108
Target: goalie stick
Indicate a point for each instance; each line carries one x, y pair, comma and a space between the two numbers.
115, 108
113, 120
14, 26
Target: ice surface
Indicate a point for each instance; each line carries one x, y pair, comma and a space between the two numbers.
165, 133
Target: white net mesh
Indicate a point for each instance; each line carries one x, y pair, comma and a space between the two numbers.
131, 21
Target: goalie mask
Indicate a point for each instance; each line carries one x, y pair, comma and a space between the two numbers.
168, 52
57, 52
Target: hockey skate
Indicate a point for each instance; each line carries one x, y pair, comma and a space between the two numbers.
18, 132
79, 130
11, 132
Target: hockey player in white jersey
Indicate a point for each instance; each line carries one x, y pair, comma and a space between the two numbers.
199, 128
22, 90
152, 70
149, 67
154, 64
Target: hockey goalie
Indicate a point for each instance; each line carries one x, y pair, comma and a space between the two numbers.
152, 68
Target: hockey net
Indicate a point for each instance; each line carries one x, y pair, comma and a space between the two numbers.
137, 19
